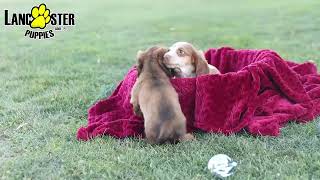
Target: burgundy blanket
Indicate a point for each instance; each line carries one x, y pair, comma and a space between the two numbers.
257, 91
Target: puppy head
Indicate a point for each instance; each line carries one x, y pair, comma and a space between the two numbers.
152, 55
183, 54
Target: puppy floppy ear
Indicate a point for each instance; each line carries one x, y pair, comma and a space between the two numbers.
200, 63
140, 61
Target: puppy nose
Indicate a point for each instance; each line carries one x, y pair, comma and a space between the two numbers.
166, 57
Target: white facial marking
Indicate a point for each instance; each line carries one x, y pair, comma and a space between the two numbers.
174, 60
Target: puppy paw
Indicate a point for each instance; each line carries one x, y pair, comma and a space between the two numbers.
187, 137
311, 61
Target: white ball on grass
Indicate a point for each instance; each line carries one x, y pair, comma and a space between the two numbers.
221, 165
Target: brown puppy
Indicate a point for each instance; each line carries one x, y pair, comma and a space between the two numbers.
187, 61
154, 97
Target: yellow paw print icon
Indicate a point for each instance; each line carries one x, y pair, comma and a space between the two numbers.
41, 16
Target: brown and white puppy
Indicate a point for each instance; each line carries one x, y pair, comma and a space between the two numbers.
154, 97
187, 61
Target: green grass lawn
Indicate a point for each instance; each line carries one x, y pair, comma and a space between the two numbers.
46, 87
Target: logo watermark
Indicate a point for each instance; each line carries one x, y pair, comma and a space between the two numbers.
38, 20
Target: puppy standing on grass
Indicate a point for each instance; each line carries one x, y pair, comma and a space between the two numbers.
154, 97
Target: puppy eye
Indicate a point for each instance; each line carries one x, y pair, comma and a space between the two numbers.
181, 51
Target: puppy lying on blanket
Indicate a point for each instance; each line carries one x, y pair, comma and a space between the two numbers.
154, 97
186, 61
